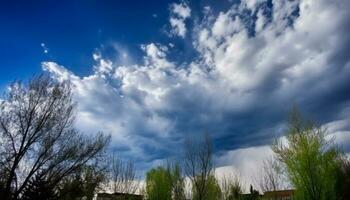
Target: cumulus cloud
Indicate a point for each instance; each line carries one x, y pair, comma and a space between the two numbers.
250, 70
179, 13
181, 9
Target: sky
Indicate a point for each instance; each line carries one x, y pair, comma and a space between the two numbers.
153, 74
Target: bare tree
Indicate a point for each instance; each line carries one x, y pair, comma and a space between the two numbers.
37, 135
271, 176
123, 176
231, 187
198, 164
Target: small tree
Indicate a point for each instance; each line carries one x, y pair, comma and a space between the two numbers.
177, 181
254, 194
231, 188
198, 164
165, 183
123, 176
72, 187
311, 161
213, 191
83, 184
158, 184
271, 176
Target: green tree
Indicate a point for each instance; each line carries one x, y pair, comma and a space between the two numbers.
311, 161
165, 183
231, 188
177, 181
71, 187
212, 191
83, 184
254, 194
235, 192
158, 184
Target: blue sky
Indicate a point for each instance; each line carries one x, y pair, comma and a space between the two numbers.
73, 30
151, 74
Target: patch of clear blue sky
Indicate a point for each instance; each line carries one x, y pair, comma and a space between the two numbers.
72, 30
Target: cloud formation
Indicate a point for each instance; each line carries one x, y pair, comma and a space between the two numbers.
255, 61
179, 13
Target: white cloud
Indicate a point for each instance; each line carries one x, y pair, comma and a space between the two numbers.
244, 163
293, 57
181, 10
96, 56
179, 27
59, 72
103, 66
339, 131
251, 4
179, 13
260, 22
226, 24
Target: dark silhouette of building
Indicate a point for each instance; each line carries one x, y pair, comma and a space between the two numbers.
279, 195
118, 196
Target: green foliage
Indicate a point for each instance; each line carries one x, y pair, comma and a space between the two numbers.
84, 183
165, 183
254, 194
235, 192
212, 189
231, 188
178, 185
71, 188
310, 160
158, 184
